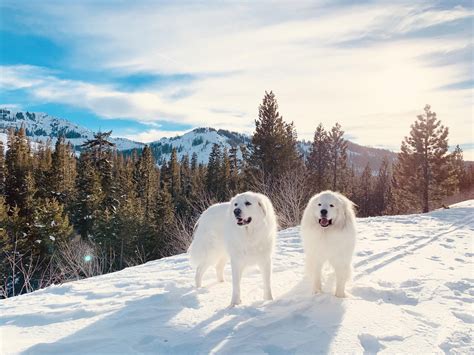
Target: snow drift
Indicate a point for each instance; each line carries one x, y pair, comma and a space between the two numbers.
412, 293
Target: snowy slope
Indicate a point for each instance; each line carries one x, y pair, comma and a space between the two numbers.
199, 141
40, 127
412, 293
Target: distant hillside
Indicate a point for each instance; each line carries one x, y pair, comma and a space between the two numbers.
199, 141
40, 127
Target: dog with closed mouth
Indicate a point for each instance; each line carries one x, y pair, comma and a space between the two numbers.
242, 230
328, 229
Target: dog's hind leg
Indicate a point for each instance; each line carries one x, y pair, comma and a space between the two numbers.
220, 269
200, 270
265, 267
343, 273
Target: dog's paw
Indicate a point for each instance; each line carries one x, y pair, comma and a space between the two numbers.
340, 294
268, 298
235, 302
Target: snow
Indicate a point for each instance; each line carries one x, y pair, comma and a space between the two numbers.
412, 293
201, 141
45, 127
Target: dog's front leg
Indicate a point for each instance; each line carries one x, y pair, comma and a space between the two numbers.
236, 278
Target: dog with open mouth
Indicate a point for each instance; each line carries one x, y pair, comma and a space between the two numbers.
242, 230
329, 232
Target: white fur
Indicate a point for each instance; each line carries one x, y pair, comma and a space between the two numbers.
334, 243
218, 238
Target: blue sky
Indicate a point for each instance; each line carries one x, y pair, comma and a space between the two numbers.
148, 69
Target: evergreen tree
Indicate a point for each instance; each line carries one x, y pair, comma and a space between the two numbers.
337, 158
63, 173
383, 189
224, 184
89, 196
129, 217
214, 171
42, 165
234, 166
19, 181
50, 228
318, 162
174, 176
274, 150
364, 200
147, 183
100, 149
424, 171
2, 169
164, 219
458, 166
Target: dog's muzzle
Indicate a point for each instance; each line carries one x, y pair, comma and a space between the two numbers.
324, 222
243, 222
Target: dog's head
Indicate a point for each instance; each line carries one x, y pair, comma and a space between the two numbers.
331, 209
247, 208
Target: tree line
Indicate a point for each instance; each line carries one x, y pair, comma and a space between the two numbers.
64, 217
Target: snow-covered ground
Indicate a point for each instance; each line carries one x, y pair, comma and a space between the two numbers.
412, 293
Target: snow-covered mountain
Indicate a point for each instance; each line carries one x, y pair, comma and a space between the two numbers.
199, 141
40, 127
412, 293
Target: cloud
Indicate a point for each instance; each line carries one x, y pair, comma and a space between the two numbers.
152, 135
374, 87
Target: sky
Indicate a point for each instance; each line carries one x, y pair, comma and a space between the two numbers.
148, 69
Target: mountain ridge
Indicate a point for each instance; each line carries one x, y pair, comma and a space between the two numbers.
42, 127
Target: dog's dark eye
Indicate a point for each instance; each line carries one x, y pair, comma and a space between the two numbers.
235, 204
319, 204
331, 205
248, 203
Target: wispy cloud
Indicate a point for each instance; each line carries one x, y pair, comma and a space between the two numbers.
372, 67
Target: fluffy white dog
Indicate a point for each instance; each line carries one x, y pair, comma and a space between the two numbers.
329, 233
243, 230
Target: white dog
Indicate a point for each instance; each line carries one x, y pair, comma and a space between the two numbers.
243, 230
329, 233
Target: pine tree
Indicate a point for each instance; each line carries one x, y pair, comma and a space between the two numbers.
224, 185
129, 217
318, 160
100, 149
214, 171
424, 172
147, 183
458, 166
19, 181
42, 165
63, 173
274, 150
174, 175
382, 190
89, 196
164, 219
364, 200
2, 169
337, 158
234, 178
50, 228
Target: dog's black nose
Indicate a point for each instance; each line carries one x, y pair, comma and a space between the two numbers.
324, 212
237, 212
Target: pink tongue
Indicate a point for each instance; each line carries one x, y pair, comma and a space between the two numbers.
324, 222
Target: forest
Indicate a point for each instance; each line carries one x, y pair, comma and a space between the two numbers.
65, 217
